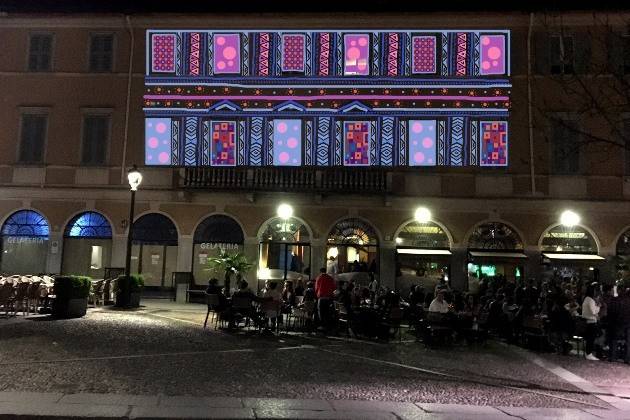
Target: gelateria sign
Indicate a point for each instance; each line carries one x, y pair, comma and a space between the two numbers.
219, 245
318, 97
26, 240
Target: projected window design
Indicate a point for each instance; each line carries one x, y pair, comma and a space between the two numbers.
287, 142
88, 225
455, 82
26, 223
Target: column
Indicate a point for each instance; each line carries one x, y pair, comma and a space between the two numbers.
55, 241
119, 250
387, 264
184, 253
459, 269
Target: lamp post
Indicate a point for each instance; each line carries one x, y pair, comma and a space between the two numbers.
135, 178
569, 218
422, 215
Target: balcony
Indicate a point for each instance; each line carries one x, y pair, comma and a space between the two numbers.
346, 180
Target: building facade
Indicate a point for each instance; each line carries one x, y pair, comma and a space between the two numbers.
495, 122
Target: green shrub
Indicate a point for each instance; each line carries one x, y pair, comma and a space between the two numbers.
134, 283
72, 287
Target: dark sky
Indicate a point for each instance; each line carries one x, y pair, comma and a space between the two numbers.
258, 6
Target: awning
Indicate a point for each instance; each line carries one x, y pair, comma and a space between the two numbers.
488, 254
420, 251
583, 257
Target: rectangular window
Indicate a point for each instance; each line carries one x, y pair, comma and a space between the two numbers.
356, 143
223, 144
95, 139
287, 142
625, 132
101, 52
565, 151
422, 147
40, 52
33, 138
227, 53
293, 52
494, 143
562, 54
357, 55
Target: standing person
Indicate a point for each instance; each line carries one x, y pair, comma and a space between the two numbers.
331, 266
373, 288
324, 290
590, 309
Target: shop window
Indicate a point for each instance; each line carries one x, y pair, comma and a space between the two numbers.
284, 252
24, 243
96, 260
571, 240
495, 236
101, 52
352, 246
40, 52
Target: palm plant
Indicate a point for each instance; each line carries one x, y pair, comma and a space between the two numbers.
230, 264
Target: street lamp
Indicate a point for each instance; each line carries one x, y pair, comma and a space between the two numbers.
135, 178
569, 218
285, 211
422, 215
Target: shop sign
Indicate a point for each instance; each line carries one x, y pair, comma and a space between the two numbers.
25, 240
203, 259
155, 259
218, 245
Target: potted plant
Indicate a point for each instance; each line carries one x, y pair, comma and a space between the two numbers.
127, 290
71, 296
230, 264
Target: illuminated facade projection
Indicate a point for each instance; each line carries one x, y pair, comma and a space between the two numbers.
327, 98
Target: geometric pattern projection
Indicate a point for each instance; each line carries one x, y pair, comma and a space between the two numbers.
494, 143
287, 142
422, 145
417, 97
223, 145
356, 143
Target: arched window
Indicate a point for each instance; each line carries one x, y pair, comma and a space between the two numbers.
88, 225
219, 228
423, 235
154, 228
353, 231
571, 240
285, 230
26, 223
495, 236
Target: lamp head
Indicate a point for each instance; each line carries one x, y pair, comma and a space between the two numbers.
134, 177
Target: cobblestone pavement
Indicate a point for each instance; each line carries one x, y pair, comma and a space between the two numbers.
162, 350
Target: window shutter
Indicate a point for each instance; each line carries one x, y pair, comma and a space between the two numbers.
95, 139
582, 47
541, 53
614, 52
33, 138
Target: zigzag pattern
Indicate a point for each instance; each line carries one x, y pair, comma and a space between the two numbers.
444, 54
392, 54
461, 54
263, 57
190, 146
338, 153
175, 142
277, 42
210, 54
323, 140
373, 140
339, 55
476, 54
324, 53
256, 141
245, 55
308, 149
308, 48
387, 141
269, 141
402, 143
456, 155
194, 53
240, 142
178, 56
474, 143
205, 142
375, 53
441, 140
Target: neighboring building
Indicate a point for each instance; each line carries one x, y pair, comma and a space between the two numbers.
355, 128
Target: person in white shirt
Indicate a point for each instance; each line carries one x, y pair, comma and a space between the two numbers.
439, 304
590, 311
331, 266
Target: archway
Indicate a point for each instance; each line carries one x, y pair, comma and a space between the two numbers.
154, 250
423, 254
214, 233
284, 250
87, 245
25, 243
352, 250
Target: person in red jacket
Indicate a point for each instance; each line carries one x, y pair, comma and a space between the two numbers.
324, 290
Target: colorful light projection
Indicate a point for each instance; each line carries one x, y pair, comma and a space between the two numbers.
420, 98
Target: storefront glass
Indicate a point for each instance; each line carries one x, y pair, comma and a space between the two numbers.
213, 234
154, 250
87, 245
284, 251
352, 251
570, 252
25, 243
422, 255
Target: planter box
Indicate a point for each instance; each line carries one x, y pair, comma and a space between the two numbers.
131, 301
70, 308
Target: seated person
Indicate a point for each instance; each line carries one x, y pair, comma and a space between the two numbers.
439, 304
214, 289
309, 292
273, 294
243, 292
288, 295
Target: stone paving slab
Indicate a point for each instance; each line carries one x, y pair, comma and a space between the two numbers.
26, 396
187, 401
49, 410
110, 399
459, 409
287, 404
353, 405
265, 413
548, 413
190, 413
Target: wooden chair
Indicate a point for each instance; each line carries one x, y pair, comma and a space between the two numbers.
579, 333
534, 334
21, 297
7, 292
96, 292
33, 295
271, 310
213, 301
394, 321
242, 305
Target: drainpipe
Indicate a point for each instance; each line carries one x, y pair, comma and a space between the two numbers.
530, 123
129, 75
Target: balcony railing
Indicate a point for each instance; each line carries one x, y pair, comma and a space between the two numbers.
287, 179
